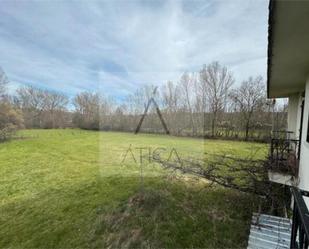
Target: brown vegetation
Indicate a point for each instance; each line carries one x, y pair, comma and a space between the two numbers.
204, 104
10, 117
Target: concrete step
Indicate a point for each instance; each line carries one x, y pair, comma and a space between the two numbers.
267, 216
269, 232
270, 237
264, 243
271, 223
256, 243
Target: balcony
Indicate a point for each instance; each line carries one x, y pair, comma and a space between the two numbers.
283, 158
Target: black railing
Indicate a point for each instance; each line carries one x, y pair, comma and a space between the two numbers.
282, 134
300, 225
284, 153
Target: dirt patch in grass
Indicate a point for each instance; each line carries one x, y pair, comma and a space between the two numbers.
126, 227
168, 219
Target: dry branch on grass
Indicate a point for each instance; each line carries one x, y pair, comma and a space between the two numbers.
246, 175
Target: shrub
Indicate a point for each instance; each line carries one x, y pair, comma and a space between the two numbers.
10, 121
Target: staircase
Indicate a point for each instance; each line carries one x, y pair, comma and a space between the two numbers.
268, 232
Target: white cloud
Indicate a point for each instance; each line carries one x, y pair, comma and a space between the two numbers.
118, 45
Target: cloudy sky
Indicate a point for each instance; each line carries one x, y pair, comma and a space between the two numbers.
117, 46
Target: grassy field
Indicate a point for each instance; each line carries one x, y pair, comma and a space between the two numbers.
78, 189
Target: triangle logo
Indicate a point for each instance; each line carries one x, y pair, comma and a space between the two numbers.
152, 101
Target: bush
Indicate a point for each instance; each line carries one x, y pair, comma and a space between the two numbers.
10, 121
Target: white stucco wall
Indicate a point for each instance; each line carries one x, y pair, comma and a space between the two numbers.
304, 157
294, 115
298, 119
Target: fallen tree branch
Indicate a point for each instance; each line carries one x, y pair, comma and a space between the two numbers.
243, 174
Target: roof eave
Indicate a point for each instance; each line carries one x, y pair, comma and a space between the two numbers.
271, 8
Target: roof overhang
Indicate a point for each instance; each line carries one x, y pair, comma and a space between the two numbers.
288, 47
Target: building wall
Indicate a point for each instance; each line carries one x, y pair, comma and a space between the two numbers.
304, 157
294, 115
298, 120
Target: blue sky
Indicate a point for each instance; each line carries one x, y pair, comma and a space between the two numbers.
117, 46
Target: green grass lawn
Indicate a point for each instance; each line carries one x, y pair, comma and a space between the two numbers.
73, 189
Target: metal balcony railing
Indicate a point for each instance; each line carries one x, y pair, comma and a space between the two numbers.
300, 225
284, 153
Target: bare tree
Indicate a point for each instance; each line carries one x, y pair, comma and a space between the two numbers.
3, 84
139, 99
32, 102
186, 84
248, 98
87, 107
216, 81
197, 102
55, 106
170, 102
42, 108
200, 104
119, 119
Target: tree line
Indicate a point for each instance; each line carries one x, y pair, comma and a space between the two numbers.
207, 103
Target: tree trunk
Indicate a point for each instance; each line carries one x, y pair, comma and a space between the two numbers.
247, 130
213, 128
213, 124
